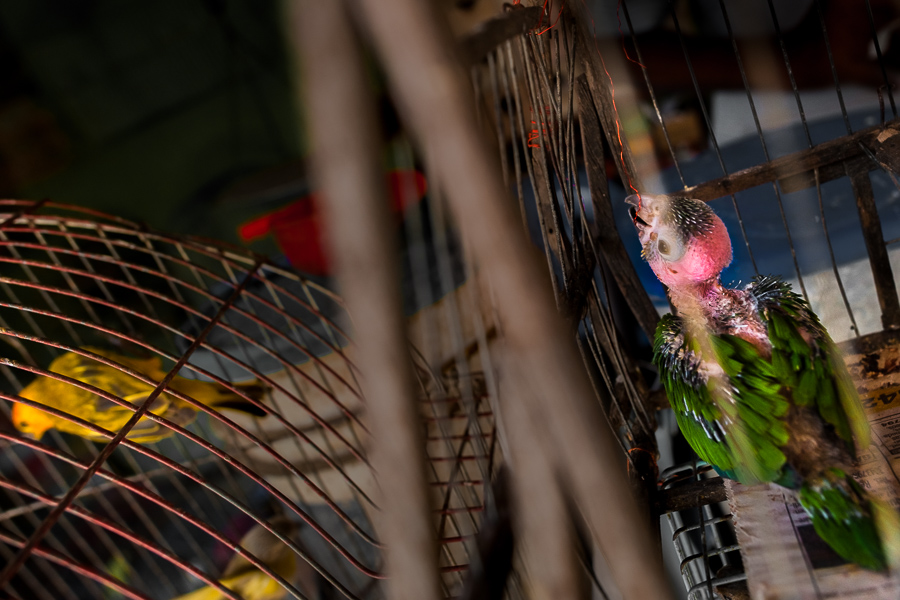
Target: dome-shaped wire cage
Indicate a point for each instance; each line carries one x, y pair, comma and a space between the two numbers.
249, 456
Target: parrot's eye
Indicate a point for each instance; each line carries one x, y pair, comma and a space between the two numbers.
669, 247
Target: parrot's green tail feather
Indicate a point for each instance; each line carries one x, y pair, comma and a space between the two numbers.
843, 515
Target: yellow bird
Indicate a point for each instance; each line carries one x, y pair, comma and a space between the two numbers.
242, 577
112, 417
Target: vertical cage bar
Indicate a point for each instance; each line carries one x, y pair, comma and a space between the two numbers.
885, 286
346, 161
603, 229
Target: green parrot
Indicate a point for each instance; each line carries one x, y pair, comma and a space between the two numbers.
758, 387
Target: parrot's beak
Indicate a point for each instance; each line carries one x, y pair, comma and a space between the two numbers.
645, 212
637, 210
639, 214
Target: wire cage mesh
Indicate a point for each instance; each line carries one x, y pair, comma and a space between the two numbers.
164, 510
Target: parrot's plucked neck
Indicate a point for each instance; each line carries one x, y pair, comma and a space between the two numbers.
721, 310
706, 300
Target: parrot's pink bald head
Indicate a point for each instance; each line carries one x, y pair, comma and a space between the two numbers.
683, 240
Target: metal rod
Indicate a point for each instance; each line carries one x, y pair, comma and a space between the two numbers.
881, 62
93, 574
346, 163
834, 73
651, 93
539, 510
123, 532
879, 261
603, 230
715, 144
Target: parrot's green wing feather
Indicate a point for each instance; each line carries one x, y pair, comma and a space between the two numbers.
808, 362
739, 431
